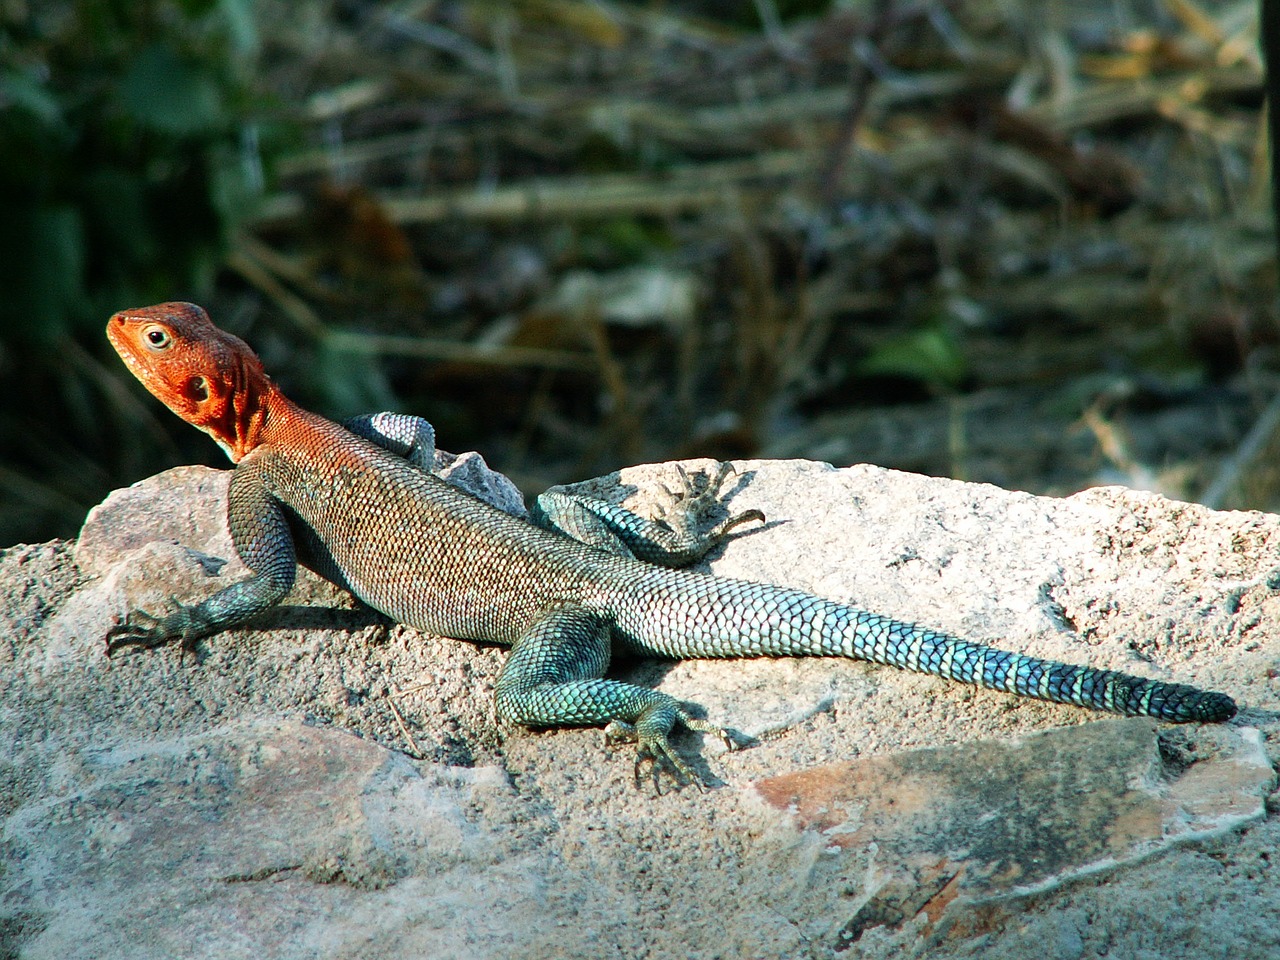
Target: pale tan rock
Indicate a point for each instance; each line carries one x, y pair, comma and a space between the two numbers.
132, 788
939, 829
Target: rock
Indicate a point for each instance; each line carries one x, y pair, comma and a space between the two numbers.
185, 506
940, 828
468, 471
266, 834
322, 783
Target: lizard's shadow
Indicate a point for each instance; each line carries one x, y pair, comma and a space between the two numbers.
291, 617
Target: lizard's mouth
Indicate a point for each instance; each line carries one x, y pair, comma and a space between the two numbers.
127, 349
116, 334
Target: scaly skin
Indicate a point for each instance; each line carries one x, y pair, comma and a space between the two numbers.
430, 556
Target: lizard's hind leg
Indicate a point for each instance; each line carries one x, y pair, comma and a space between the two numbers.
674, 541
554, 677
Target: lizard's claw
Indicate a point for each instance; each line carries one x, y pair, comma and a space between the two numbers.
654, 748
728, 738
143, 629
681, 511
712, 491
139, 628
658, 754
721, 530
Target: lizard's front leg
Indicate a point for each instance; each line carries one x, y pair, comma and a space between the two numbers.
263, 541
554, 677
400, 433
414, 439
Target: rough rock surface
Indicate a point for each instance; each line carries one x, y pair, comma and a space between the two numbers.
327, 784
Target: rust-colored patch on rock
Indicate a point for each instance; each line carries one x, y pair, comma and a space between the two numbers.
950, 825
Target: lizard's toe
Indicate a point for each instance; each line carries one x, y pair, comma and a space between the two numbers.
657, 753
619, 731
138, 629
731, 739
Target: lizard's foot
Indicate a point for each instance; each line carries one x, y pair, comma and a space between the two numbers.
686, 506
671, 540
653, 748
142, 629
138, 629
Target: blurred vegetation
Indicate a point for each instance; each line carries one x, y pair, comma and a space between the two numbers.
123, 171
1013, 241
117, 155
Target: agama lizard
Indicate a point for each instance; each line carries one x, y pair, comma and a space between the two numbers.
426, 554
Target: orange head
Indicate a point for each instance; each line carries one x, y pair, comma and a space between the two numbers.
206, 376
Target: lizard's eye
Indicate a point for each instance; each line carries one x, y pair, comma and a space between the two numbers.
157, 337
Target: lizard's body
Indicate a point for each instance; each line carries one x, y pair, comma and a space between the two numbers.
433, 557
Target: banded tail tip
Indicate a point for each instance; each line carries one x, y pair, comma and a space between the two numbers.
1189, 705
1217, 708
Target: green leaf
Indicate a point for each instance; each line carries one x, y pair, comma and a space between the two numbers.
21, 90
165, 93
196, 8
931, 355
115, 204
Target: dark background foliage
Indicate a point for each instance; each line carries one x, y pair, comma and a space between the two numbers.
1026, 243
